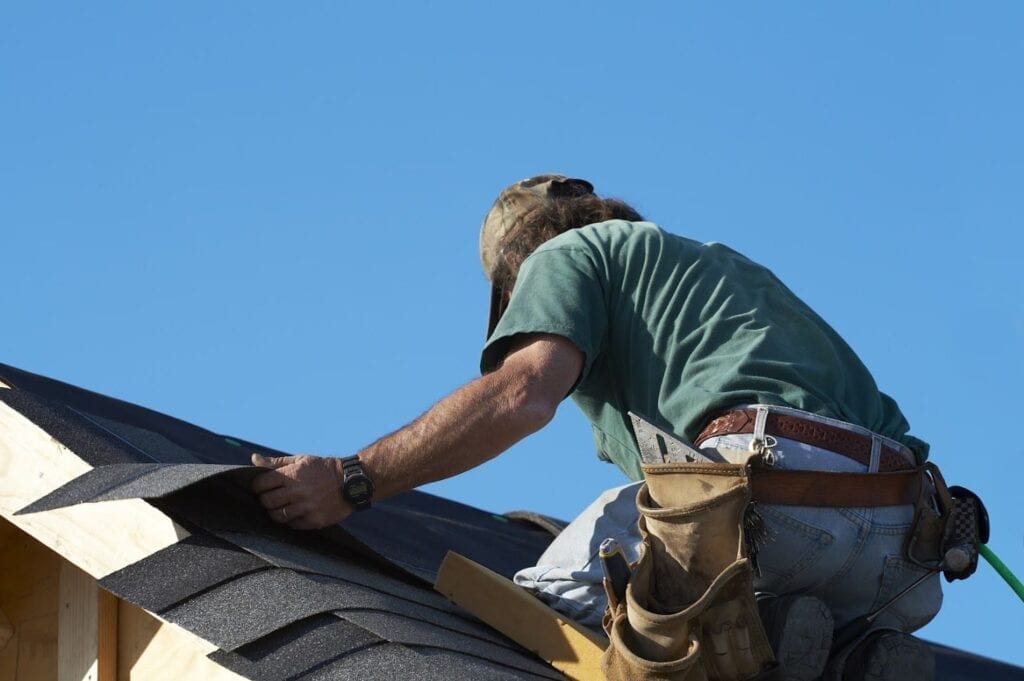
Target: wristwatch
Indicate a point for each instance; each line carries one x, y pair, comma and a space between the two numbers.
356, 485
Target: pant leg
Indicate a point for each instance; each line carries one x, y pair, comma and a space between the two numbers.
568, 576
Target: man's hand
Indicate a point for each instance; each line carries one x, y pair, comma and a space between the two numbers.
303, 492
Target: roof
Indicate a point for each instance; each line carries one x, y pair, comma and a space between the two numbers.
350, 601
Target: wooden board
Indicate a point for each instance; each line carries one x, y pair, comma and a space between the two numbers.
128, 642
29, 579
6, 630
149, 648
569, 647
99, 538
106, 648
86, 628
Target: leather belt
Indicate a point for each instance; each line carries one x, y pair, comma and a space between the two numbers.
850, 444
817, 488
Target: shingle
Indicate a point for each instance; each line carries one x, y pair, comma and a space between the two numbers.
467, 668
135, 480
180, 571
443, 525
444, 620
150, 443
390, 662
89, 442
207, 446
252, 606
283, 553
410, 632
297, 648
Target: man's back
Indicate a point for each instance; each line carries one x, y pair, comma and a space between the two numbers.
680, 331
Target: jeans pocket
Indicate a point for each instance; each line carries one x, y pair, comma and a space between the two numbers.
914, 609
792, 549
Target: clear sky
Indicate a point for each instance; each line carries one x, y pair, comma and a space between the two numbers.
263, 218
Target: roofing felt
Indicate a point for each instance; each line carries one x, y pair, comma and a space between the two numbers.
346, 602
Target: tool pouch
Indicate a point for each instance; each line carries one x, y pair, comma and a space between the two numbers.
949, 525
966, 530
689, 611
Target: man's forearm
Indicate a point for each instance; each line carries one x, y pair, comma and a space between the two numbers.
468, 427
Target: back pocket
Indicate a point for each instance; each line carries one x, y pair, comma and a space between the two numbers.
790, 552
914, 609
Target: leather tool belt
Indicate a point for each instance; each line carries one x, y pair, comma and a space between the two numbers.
817, 488
898, 481
849, 443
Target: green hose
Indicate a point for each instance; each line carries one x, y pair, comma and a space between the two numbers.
1003, 571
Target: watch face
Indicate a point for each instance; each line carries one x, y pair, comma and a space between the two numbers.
358, 489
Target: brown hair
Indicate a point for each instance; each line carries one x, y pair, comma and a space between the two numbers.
545, 219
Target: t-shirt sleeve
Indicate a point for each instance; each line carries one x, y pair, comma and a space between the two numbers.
560, 291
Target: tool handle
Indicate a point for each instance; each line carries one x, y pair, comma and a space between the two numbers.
616, 568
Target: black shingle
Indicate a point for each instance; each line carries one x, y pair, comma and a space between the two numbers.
180, 571
297, 648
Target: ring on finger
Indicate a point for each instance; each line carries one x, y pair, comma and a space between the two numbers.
284, 512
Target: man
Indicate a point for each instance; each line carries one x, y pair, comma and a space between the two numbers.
589, 300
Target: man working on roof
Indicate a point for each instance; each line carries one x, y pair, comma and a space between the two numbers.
591, 301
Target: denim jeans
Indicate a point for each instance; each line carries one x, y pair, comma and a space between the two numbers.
851, 558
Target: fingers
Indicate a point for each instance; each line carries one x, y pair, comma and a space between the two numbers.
270, 461
288, 515
299, 491
268, 481
278, 497
294, 517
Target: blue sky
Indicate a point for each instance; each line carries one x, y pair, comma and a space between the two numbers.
263, 218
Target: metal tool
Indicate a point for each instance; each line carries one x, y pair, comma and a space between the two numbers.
852, 631
616, 568
657, 446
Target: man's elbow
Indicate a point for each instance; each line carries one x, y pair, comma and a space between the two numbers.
538, 376
536, 411
526, 403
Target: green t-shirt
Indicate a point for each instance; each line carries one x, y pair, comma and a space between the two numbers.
678, 331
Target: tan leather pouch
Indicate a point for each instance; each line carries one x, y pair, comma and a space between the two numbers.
689, 612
